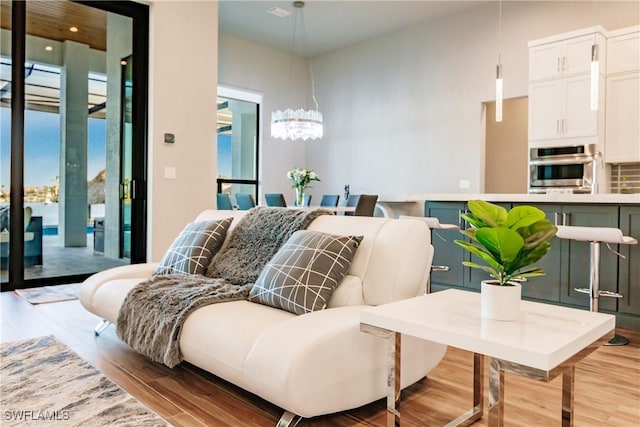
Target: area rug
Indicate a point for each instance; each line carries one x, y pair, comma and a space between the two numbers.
47, 294
45, 383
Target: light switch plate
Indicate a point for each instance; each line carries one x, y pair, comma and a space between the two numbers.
170, 172
464, 184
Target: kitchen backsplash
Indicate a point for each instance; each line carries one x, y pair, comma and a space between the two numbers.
625, 178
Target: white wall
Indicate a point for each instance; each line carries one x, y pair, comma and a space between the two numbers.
282, 80
403, 112
182, 100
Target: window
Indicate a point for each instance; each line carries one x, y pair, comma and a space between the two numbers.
238, 141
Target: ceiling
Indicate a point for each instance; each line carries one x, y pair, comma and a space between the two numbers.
53, 19
329, 25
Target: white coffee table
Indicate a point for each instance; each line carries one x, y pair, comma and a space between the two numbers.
547, 341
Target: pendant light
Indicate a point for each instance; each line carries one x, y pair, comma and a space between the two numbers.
595, 64
595, 73
499, 82
298, 124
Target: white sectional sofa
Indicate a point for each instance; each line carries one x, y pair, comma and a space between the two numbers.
311, 364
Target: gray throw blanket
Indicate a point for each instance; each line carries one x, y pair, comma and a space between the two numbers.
151, 317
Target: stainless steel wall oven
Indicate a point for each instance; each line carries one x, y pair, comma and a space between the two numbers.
570, 168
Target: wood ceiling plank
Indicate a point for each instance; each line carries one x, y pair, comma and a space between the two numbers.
52, 20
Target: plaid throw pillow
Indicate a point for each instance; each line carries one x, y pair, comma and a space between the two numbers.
192, 250
303, 274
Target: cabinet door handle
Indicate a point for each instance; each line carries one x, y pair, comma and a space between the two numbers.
564, 63
564, 218
557, 126
564, 126
555, 218
558, 66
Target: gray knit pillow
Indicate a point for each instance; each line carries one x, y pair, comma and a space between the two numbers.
192, 250
303, 274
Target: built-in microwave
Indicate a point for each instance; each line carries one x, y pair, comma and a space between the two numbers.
569, 168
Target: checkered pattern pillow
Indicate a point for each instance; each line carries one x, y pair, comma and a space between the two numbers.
303, 274
192, 250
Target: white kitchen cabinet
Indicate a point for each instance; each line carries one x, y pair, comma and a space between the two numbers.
622, 142
623, 51
553, 59
560, 89
622, 136
560, 112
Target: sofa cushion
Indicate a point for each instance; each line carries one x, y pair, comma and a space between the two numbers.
303, 274
192, 250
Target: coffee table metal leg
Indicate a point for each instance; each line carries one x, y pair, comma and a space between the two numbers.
567, 396
475, 413
496, 394
393, 379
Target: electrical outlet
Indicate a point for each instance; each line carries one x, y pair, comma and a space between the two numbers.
464, 184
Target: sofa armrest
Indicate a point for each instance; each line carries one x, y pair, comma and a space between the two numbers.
299, 362
91, 285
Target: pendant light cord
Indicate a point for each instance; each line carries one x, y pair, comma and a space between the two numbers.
500, 32
304, 47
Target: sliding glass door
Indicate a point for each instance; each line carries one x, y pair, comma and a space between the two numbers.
70, 161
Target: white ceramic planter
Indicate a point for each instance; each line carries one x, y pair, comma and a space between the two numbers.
500, 302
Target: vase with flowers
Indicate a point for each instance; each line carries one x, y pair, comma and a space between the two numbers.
300, 180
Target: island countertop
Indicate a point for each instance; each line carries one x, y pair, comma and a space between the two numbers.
612, 199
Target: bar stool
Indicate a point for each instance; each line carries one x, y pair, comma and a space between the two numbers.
433, 224
595, 236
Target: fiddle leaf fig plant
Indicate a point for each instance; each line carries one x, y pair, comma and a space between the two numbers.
509, 242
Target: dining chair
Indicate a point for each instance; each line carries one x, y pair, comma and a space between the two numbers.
330, 200
275, 199
307, 199
365, 204
245, 201
223, 202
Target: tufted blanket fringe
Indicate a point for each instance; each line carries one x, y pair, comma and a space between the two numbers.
151, 317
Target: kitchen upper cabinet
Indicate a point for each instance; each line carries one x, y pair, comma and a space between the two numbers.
560, 109
622, 142
623, 51
622, 136
562, 56
560, 89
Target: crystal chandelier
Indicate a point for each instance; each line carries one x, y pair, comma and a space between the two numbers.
298, 124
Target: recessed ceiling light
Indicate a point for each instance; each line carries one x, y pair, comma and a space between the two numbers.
280, 13
73, 29
48, 48
123, 62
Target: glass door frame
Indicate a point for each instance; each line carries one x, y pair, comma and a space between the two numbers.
140, 48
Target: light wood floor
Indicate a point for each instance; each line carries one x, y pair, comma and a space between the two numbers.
607, 383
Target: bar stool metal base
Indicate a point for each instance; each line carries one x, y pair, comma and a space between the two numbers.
596, 235
617, 340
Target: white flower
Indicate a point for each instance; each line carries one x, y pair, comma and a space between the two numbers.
302, 177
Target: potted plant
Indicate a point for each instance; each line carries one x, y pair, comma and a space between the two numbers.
509, 242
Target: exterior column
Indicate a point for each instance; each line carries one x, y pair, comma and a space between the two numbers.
73, 199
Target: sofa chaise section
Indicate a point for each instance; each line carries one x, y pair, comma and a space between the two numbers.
311, 364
